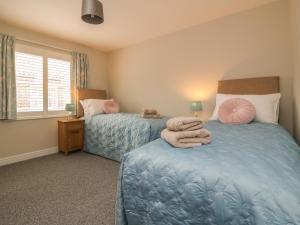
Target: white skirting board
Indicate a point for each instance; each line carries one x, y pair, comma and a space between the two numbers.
29, 155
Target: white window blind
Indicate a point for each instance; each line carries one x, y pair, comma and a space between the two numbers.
59, 84
43, 81
29, 82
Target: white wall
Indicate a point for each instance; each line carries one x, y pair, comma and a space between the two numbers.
295, 22
167, 72
17, 137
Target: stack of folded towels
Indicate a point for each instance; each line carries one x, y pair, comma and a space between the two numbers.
186, 132
150, 113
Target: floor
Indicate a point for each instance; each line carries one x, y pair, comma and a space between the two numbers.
78, 189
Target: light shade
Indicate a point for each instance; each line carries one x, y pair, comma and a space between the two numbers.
92, 11
70, 107
196, 106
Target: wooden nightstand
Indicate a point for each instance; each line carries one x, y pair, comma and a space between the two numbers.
70, 135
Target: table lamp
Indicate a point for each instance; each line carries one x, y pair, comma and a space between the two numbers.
196, 107
70, 109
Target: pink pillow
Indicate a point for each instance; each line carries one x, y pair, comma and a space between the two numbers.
110, 106
236, 111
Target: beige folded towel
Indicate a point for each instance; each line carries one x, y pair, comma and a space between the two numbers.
186, 139
150, 113
154, 116
184, 123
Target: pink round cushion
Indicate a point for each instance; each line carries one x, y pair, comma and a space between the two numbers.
236, 111
110, 106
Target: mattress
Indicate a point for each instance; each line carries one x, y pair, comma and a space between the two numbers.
113, 135
249, 174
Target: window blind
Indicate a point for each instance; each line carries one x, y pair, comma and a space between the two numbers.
59, 84
29, 82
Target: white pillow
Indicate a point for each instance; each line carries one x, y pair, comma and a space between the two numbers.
267, 106
92, 107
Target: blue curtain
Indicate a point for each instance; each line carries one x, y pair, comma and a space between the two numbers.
8, 105
80, 67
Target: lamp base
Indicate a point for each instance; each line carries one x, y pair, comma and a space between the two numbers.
70, 117
196, 114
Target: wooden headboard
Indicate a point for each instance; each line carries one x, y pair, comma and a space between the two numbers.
84, 93
250, 86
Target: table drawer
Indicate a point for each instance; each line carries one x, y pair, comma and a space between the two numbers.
74, 126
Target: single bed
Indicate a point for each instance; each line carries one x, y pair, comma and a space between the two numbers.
113, 135
249, 174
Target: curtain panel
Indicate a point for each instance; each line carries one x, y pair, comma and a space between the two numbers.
80, 67
8, 103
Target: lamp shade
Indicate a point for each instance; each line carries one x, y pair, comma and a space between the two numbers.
196, 106
70, 107
92, 12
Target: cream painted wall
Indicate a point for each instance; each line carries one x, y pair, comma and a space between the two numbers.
167, 72
295, 21
18, 137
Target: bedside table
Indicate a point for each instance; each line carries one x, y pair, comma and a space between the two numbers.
70, 135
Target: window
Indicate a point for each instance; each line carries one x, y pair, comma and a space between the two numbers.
59, 83
29, 81
43, 81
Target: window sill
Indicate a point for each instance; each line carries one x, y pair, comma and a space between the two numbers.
42, 117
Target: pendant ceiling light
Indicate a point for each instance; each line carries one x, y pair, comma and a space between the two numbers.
92, 11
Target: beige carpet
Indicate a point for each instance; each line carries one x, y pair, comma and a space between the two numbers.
78, 189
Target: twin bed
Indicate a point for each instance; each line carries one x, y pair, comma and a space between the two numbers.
249, 174
113, 135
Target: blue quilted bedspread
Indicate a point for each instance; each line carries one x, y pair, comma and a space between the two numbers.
249, 174
112, 135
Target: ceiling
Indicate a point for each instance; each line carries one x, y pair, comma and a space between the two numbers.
126, 22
